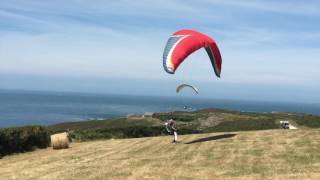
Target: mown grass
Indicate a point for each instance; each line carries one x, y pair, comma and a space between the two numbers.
271, 154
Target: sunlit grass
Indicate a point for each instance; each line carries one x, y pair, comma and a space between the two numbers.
247, 155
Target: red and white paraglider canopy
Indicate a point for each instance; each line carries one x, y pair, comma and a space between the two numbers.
183, 43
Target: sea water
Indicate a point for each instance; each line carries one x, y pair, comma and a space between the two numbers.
19, 108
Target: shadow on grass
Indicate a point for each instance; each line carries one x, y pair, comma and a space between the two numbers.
212, 138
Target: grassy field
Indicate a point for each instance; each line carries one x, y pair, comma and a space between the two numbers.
269, 154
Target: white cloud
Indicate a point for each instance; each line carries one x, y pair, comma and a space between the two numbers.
76, 40
283, 7
104, 53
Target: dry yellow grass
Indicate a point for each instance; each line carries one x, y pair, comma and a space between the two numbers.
272, 154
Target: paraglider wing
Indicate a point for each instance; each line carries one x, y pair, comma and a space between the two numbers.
183, 43
180, 87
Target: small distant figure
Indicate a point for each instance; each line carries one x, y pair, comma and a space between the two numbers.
171, 127
187, 108
285, 124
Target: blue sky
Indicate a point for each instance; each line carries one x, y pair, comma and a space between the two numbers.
270, 49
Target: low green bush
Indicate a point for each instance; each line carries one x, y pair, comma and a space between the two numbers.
310, 121
244, 125
177, 117
125, 132
122, 132
21, 139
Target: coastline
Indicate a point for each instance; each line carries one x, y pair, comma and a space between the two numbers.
47, 108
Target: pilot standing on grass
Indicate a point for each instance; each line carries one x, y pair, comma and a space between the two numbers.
171, 127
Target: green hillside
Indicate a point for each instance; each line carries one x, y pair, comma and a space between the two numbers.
202, 121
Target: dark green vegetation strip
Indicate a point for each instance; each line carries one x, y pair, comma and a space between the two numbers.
98, 124
22, 139
244, 125
177, 116
125, 132
310, 121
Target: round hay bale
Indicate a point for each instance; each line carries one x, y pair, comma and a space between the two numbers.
60, 141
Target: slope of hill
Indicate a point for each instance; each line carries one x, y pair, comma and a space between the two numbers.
247, 155
202, 121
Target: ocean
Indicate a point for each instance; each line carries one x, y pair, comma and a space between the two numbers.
18, 108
